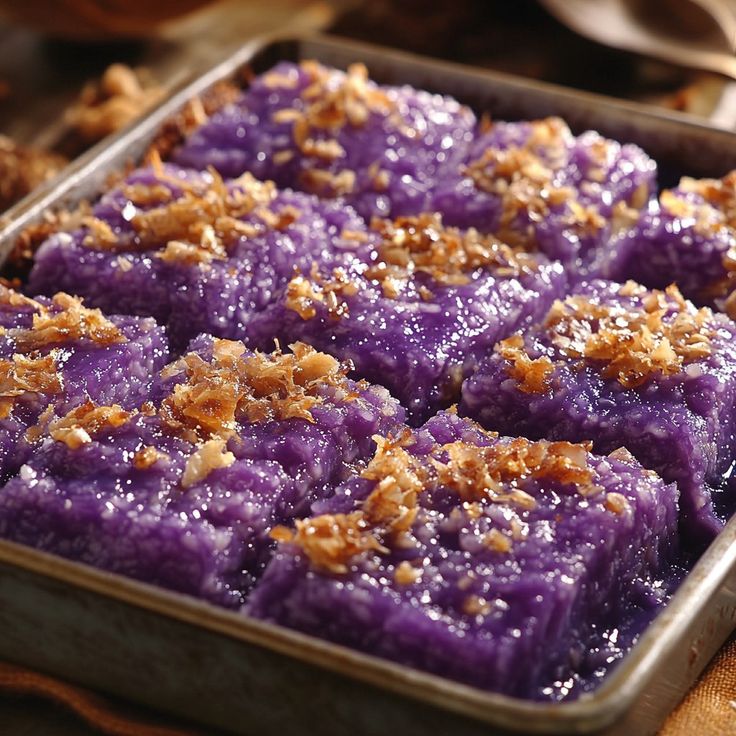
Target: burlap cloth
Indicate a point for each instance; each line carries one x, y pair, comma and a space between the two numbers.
708, 710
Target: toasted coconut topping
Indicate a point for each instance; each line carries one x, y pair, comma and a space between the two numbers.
24, 375
492, 473
327, 184
719, 193
531, 375
147, 456
498, 541
632, 344
448, 255
526, 179
66, 321
479, 475
406, 574
257, 388
331, 541
210, 456
616, 503
328, 103
303, 294
392, 504
192, 222
11, 298
77, 427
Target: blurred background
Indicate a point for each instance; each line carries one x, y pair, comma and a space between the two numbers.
56, 97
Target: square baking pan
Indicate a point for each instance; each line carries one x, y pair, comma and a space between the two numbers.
231, 673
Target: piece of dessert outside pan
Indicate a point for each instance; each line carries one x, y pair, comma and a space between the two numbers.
336, 134
417, 308
625, 367
183, 490
56, 354
503, 563
534, 184
197, 253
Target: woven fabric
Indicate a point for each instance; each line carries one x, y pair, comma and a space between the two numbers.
709, 709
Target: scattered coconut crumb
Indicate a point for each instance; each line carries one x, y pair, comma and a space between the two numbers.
77, 427
331, 541
22, 169
120, 96
210, 456
531, 375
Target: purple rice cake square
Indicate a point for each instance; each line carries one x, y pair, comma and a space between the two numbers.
421, 304
688, 238
499, 562
57, 354
195, 252
118, 491
625, 367
183, 491
332, 133
535, 184
295, 408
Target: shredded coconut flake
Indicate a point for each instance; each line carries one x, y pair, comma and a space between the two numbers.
66, 321
77, 427
633, 344
212, 455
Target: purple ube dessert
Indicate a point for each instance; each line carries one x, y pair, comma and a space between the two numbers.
535, 184
196, 253
56, 354
688, 238
495, 561
334, 134
421, 304
184, 491
623, 366
297, 409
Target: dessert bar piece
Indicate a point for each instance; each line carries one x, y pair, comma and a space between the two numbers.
56, 354
117, 491
336, 134
184, 491
623, 366
535, 184
689, 239
295, 408
498, 562
417, 309
195, 252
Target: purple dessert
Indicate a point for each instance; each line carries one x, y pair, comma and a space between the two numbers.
184, 491
297, 409
625, 367
196, 253
417, 309
498, 562
688, 238
535, 184
56, 354
335, 134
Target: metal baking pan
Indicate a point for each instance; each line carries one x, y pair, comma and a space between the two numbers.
229, 672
